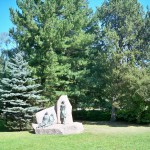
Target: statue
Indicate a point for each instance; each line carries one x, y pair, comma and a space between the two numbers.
57, 119
47, 120
62, 112
51, 118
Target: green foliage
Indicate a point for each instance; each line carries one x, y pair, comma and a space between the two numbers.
137, 94
91, 115
99, 60
54, 35
2, 126
131, 116
19, 96
119, 49
145, 38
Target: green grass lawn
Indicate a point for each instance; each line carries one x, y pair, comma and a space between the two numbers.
97, 136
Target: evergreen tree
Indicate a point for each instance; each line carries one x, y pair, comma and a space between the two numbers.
18, 94
59, 30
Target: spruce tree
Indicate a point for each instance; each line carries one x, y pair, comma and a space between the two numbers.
18, 94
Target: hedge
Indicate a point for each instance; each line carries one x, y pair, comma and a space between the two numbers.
91, 115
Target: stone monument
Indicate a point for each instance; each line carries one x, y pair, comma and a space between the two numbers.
57, 119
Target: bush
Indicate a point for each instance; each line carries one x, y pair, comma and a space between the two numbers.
131, 116
2, 126
145, 117
121, 115
91, 115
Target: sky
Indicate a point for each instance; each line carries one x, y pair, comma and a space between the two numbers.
5, 22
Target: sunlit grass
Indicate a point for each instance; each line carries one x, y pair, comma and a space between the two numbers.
99, 136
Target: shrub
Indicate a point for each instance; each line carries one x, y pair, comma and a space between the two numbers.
91, 115
2, 126
131, 116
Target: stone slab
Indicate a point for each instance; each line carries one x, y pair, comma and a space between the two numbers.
62, 129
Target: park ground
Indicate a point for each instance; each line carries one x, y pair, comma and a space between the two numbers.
96, 136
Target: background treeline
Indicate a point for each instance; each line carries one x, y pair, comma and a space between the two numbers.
100, 60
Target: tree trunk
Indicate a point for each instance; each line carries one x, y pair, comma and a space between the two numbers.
113, 111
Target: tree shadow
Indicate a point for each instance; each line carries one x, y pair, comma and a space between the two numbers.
113, 124
4, 130
31, 131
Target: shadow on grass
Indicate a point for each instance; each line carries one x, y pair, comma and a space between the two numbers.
2, 127
108, 123
31, 131
5, 129
113, 124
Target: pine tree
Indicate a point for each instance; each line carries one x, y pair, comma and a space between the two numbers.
54, 29
18, 94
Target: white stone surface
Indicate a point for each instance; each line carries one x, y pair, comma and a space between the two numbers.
69, 119
63, 129
34, 126
40, 114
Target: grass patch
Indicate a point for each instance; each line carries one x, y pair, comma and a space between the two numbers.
97, 136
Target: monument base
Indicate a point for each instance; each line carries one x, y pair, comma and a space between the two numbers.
62, 129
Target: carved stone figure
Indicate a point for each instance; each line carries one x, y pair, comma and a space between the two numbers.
51, 119
47, 120
40, 114
68, 110
62, 112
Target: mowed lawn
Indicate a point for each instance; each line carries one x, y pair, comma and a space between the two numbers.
97, 136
